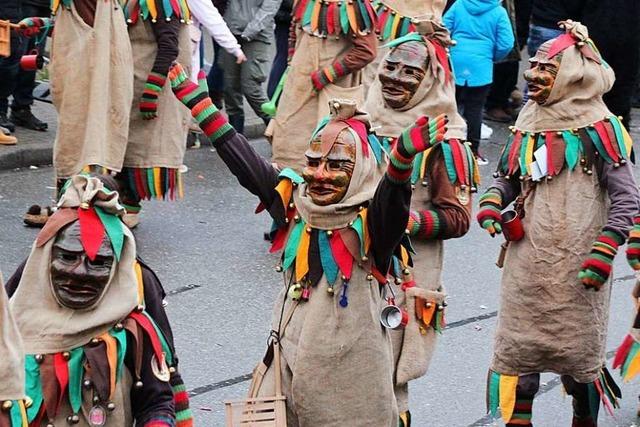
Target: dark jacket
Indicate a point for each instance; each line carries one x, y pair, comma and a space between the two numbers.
284, 13
10, 9
547, 13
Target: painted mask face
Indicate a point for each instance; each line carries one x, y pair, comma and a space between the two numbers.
328, 177
403, 70
78, 282
542, 74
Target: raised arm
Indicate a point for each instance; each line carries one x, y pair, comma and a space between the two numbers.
389, 209
254, 172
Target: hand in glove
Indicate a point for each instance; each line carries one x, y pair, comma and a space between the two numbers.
596, 268
489, 216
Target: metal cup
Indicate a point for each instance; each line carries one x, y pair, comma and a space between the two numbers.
512, 226
394, 317
32, 62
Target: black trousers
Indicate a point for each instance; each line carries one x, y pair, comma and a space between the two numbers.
471, 100
280, 60
16, 81
505, 79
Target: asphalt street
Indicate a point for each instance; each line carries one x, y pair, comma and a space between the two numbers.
208, 251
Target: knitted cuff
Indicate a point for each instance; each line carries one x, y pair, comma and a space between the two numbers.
184, 417
152, 89
212, 122
633, 245
321, 78
400, 165
424, 225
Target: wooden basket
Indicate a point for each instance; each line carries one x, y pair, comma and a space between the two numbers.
260, 411
5, 38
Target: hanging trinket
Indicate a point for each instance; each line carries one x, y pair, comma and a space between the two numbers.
160, 369
295, 291
392, 316
344, 300
306, 292
97, 416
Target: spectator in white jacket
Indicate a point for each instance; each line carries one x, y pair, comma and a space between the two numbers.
205, 14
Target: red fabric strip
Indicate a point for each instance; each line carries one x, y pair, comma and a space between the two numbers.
62, 373
623, 351
145, 323
331, 18
514, 153
602, 133
91, 231
278, 240
341, 254
547, 141
562, 42
458, 163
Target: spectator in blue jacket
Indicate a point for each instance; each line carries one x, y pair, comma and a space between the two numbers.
483, 34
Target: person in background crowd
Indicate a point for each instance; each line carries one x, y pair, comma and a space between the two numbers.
251, 21
16, 81
283, 23
500, 104
215, 78
205, 14
483, 34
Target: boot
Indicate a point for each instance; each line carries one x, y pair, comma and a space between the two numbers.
6, 123
7, 139
583, 422
25, 118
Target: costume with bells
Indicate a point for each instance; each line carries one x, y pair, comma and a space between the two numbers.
441, 209
334, 263
12, 397
107, 364
565, 158
330, 43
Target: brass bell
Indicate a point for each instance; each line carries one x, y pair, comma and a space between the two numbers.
50, 425
398, 281
365, 258
138, 384
172, 369
95, 341
118, 327
140, 308
296, 218
329, 233
73, 419
87, 383
369, 277
96, 400
279, 268
616, 165
111, 406
28, 402
66, 355
496, 174
84, 205
7, 405
589, 172
39, 358
406, 271
330, 290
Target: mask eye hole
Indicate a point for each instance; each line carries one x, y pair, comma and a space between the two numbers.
312, 163
68, 257
99, 262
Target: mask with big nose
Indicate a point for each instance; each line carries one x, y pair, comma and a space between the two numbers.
330, 167
402, 72
542, 75
79, 282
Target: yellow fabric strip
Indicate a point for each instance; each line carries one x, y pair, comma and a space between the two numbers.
396, 22
153, 10
315, 16
23, 414
302, 256
628, 142
285, 189
351, 13
529, 155
365, 231
180, 187
634, 368
140, 283
112, 358
508, 384
157, 183
405, 256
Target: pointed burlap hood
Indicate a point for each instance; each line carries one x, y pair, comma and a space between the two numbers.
368, 170
575, 100
11, 353
44, 324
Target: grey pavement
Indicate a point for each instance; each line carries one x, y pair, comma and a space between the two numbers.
208, 251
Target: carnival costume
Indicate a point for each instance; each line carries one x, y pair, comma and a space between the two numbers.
330, 42
334, 261
443, 178
566, 156
109, 364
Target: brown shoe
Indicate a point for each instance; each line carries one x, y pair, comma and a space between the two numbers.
7, 139
497, 115
37, 217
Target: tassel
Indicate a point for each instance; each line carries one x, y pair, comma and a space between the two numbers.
302, 255
508, 384
329, 265
594, 400
344, 300
19, 415
91, 231
603, 397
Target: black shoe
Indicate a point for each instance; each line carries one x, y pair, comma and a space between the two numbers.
6, 123
25, 118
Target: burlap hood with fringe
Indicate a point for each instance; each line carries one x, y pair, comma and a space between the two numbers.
11, 354
45, 325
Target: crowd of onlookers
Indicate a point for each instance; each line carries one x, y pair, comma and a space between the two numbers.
491, 36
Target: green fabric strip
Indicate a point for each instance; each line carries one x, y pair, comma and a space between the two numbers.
572, 148
635, 348
76, 373
448, 161
165, 345
113, 226
411, 37
617, 129
33, 386
329, 265
150, 181
358, 227
292, 175
524, 144
494, 393
344, 18
16, 415
306, 18
593, 134
121, 338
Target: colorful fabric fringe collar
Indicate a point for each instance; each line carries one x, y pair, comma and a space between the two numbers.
331, 18
154, 10
628, 358
49, 377
607, 138
154, 183
501, 393
391, 24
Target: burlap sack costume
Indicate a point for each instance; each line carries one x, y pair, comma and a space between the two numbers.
48, 329
92, 89
548, 321
300, 107
156, 147
413, 346
337, 361
11, 353
397, 18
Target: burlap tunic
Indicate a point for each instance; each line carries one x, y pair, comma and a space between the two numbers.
92, 89
160, 142
300, 107
548, 321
